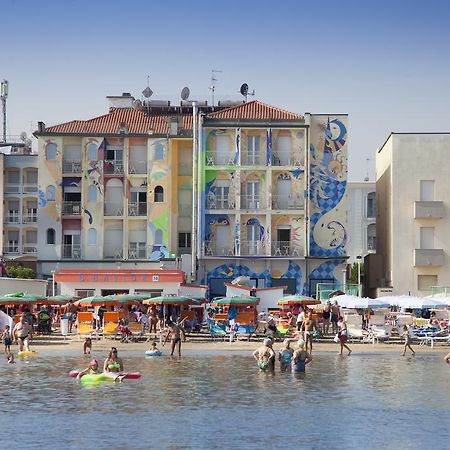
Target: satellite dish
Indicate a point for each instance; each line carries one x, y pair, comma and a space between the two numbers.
185, 93
244, 89
137, 104
147, 92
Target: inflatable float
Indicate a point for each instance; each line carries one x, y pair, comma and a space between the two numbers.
27, 353
103, 376
153, 353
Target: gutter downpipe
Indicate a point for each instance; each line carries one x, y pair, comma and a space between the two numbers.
194, 192
199, 185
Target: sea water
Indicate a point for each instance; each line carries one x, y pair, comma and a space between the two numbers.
219, 399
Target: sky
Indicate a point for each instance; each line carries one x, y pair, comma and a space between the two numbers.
385, 63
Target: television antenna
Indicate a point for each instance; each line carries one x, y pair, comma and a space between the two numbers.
4, 96
244, 91
367, 178
212, 86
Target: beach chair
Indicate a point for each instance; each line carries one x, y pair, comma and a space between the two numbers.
85, 324
246, 324
217, 331
378, 332
110, 324
137, 330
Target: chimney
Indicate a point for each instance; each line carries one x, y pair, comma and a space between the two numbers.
173, 126
120, 101
41, 127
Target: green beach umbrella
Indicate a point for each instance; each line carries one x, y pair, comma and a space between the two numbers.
60, 299
28, 300
170, 300
96, 301
235, 301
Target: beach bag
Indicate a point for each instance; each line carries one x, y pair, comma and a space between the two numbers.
336, 338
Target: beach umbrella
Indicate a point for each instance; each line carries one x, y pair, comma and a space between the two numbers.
291, 300
352, 301
96, 301
410, 302
235, 301
28, 300
445, 300
127, 299
60, 299
176, 300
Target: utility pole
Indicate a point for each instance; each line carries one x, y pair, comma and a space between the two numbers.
4, 96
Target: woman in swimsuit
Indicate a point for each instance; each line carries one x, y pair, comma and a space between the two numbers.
285, 355
300, 358
265, 356
326, 317
113, 364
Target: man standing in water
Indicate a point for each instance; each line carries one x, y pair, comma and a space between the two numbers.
308, 326
174, 330
22, 331
265, 356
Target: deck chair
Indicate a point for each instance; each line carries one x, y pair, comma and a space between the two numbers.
110, 324
217, 331
84, 324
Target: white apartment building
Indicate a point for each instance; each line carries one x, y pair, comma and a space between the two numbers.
361, 214
413, 221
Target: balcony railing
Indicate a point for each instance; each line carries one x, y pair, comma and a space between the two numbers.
30, 248
283, 202
30, 188
251, 202
285, 248
13, 189
113, 167
71, 208
137, 209
71, 251
428, 210
287, 159
212, 248
185, 210
225, 202
429, 257
252, 248
29, 217
12, 217
137, 251
220, 159
71, 166
137, 167
114, 209
253, 159
11, 249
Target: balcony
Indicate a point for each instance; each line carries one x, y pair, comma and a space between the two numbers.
285, 248
11, 249
30, 188
428, 210
220, 159
185, 210
251, 202
137, 167
12, 217
113, 209
70, 166
253, 159
282, 202
137, 250
212, 248
429, 257
13, 189
71, 251
30, 249
29, 217
137, 209
252, 248
113, 167
287, 159
222, 202
71, 208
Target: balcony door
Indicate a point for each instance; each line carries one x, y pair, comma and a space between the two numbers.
71, 244
222, 149
253, 150
253, 194
222, 239
222, 191
253, 235
283, 193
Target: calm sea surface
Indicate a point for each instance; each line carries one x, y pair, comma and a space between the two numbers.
214, 400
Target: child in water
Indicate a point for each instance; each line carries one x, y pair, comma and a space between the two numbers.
7, 340
407, 337
285, 356
87, 346
154, 348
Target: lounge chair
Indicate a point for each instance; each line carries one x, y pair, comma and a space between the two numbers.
85, 324
378, 332
215, 331
110, 324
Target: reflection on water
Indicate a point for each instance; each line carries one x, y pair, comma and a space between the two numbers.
219, 399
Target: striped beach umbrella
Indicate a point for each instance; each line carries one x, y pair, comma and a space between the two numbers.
291, 300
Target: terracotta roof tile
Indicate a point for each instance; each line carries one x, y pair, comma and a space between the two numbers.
254, 110
137, 122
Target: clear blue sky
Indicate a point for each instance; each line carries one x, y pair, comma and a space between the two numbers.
385, 63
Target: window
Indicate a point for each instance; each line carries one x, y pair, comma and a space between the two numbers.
50, 236
159, 151
184, 240
92, 193
159, 194
50, 193
426, 237
253, 150
371, 205
426, 190
372, 237
92, 152
50, 152
425, 282
92, 236
152, 292
83, 293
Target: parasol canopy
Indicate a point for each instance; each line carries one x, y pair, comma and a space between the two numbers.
410, 302
352, 301
176, 300
235, 301
60, 299
96, 301
22, 300
291, 300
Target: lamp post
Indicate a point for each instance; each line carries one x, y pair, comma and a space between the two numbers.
358, 261
344, 280
53, 282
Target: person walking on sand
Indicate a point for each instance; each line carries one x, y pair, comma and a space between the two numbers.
343, 335
174, 331
308, 326
265, 356
335, 313
408, 340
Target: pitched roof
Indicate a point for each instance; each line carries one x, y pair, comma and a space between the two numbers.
137, 122
254, 110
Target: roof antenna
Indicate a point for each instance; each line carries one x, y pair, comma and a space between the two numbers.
244, 91
367, 178
212, 87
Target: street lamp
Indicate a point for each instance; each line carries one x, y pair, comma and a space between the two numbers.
358, 261
53, 282
344, 280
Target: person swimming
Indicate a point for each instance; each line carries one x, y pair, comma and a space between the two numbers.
285, 355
